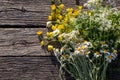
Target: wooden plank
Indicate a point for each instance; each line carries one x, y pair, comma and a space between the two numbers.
21, 42
28, 68
26, 12
38, 68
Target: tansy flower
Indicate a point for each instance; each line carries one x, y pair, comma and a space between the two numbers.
49, 34
66, 20
60, 17
89, 13
39, 33
49, 17
60, 38
69, 9
53, 27
42, 43
53, 7
80, 7
58, 21
50, 47
61, 6
61, 26
76, 13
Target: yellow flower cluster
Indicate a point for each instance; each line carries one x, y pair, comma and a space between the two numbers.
59, 18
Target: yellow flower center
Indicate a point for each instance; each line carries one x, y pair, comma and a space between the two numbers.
104, 51
78, 48
83, 47
97, 53
110, 57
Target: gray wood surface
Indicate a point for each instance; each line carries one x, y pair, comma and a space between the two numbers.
20, 42
28, 68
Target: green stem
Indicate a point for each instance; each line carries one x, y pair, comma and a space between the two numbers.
52, 1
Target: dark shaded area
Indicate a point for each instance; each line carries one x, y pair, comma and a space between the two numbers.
22, 26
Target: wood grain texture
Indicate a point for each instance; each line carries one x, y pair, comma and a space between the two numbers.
21, 42
26, 12
28, 68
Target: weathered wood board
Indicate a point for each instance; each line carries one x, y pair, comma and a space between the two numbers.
20, 42
28, 68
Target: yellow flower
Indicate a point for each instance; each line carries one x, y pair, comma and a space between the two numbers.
42, 43
66, 20
76, 12
80, 7
61, 6
58, 21
49, 34
69, 9
58, 11
53, 27
60, 38
53, 7
49, 17
89, 13
39, 33
50, 47
60, 17
61, 26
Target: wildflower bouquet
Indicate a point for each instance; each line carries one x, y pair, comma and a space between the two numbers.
86, 40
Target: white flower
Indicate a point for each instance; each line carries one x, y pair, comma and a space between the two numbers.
109, 57
97, 54
48, 24
56, 32
87, 44
56, 52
